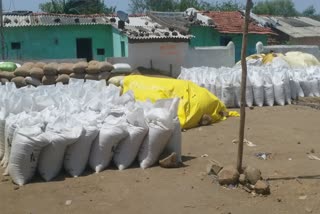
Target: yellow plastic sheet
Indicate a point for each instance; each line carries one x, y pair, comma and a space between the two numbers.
195, 101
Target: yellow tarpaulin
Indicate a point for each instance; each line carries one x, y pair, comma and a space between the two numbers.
195, 101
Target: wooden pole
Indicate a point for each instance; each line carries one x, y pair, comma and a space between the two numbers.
1, 32
243, 85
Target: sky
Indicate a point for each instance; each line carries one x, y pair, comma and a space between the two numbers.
9, 5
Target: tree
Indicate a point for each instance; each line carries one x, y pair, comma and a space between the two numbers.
76, 7
310, 11
276, 7
141, 6
226, 6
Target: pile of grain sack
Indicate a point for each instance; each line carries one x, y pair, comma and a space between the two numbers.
49, 128
39, 73
271, 84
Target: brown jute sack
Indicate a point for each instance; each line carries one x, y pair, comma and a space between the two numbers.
80, 67
7, 75
64, 78
37, 73
19, 81
93, 62
23, 71
92, 77
28, 64
77, 76
105, 66
104, 75
65, 68
4, 81
40, 65
93, 69
51, 69
49, 80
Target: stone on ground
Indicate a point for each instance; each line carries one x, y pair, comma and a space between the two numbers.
252, 174
262, 187
213, 167
228, 175
242, 179
169, 162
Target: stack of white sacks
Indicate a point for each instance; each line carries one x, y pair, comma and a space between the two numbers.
273, 84
71, 126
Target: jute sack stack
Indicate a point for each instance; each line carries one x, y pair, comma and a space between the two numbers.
63, 78
6, 75
40, 65
79, 70
19, 81
24, 70
98, 70
65, 68
3, 81
36, 72
93, 67
50, 74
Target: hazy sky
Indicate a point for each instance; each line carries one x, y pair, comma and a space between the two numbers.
10, 5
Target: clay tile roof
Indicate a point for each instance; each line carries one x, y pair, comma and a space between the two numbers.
232, 22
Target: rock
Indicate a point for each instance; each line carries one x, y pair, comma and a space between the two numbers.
68, 202
228, 175
213, 167
252, 174
169, 162
242, 179
308, 210
262, 187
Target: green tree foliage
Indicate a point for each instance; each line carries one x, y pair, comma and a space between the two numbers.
140, 6
76, 7
310, 11
276, 7
225, 6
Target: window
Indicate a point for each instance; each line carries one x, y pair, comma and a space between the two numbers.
123, 49
100, 51
15, 45
224, 40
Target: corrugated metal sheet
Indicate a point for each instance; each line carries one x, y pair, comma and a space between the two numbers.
144, 28
139, 28
296, 27
52, 20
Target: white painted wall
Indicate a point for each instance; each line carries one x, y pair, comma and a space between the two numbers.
216, 56
169, 56
311, 49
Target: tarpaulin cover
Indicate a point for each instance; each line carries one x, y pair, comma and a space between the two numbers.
195, 101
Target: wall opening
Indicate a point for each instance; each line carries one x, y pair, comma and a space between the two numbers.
224, 40
84, 48
15, 45
123, 49
100, 51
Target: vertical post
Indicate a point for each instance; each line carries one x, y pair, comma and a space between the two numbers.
1, 32
243, 85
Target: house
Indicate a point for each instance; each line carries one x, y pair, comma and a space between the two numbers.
50, 36
292, 30
228, 26
214, 28
152, 45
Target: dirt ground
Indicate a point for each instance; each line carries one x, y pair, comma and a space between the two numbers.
289, 133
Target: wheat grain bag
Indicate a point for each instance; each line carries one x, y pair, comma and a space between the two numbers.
61, 133
110, 135
77, 154
127, 150
161, 126
27, 145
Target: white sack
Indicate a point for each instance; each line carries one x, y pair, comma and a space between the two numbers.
128, 148
60, 134
27, 145
77, 154
160, 124
105, 145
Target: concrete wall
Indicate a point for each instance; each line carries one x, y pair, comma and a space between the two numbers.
217, 56
118, 38
56, 42
169, 57
311, 49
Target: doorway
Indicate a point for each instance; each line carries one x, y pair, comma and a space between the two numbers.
84, 48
